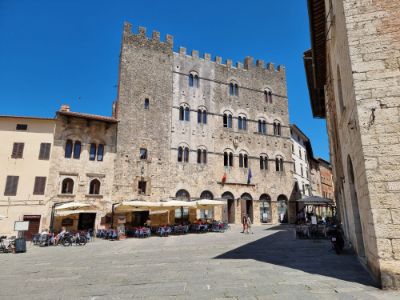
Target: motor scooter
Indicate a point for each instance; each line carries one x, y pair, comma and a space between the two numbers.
337, 238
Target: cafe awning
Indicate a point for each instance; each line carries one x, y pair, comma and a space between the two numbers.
209, 203
136, 205
176, 203
62, 213
72, 205
315, 200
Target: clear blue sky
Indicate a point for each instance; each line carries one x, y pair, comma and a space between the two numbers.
54, 52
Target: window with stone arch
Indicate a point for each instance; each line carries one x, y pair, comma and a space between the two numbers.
182, 195
94, 187
67, 186
146, 103
263, 161
183, 153
277, 128
233, 89
202, 115
227, 119
242, 122
202, 155
184, 112
206, 195
194, 80
268, 96
262, 126
243, 160
228, 158
279, 163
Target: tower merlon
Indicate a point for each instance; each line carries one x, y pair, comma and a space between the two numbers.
260, 63
239, 65
248, 62
218, 60
142, 31
229, 63
207, 56
270, 66
169, 39
182, 50
282, 69
155, 36
195, 53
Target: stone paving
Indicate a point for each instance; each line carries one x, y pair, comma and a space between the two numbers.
269, 264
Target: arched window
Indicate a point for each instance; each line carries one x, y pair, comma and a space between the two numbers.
68, 149
279, 164
67, 186
206, 195
265, 208
186, 154
181, 113
191, 80
242, 123
263, 162
227, 120
201, 116
201, 156
100, 152
94, 188
277, 128
92, 152
187, 114
180, 154
146, 103
233, 89
228, 159
243, 160
262, 126
77, 149
182, 195
196, 81
268, 96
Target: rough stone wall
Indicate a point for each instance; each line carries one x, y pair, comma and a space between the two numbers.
149, 68
145, 72
301, 162
327, 188
315, 178
364, 43
82, 170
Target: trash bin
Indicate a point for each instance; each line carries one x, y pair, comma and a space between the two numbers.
20, 245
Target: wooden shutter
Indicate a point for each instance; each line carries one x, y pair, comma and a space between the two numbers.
44, 152
18, 150
39, 187
11, 186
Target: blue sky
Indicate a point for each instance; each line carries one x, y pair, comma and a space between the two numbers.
54, 52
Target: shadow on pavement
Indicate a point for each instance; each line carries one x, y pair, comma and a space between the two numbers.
312, 256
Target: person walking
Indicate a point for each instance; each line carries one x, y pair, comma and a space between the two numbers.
244, 223
249, 225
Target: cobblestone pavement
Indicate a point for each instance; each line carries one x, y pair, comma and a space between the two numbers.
269, 264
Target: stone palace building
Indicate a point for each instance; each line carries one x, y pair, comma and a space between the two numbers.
353, 73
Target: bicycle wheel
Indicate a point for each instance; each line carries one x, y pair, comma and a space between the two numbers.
66, 241
81, 241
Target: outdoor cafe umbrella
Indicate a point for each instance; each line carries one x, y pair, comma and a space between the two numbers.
176, 203
136, 205
72, 206
2, 217
209, 203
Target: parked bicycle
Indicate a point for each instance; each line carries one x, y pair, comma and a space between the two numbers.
68, 239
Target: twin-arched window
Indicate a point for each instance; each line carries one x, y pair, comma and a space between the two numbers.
279, 164
227, 120
183, 154
228, 159
201, 116
96, 150
184, 113
263, 162
277, 128
201, 156
233, 89
243, 160
194, 80
242, 123
268, 96
262, 126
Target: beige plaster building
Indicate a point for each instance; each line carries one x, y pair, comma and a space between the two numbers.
192, 127
353, 73
27, 146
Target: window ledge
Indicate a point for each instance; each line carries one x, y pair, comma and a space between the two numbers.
66, 195
93, 196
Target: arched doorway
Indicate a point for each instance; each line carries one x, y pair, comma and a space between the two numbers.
355, 208
231, 206
265, 208
246, 203
282, 209
182, 213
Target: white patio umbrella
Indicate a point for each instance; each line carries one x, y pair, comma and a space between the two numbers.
208, 202
135, 205
72, 206
62, 213
177, 203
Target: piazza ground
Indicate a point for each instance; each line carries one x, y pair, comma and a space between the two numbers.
268, 264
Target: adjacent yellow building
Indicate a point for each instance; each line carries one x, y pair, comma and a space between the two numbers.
25, 154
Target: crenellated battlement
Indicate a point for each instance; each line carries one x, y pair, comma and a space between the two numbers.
247, 64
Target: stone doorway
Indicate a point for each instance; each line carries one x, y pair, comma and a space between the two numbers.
282, 204
246, 202
231, 206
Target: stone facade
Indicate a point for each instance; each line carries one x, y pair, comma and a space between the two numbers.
88, 130
362, 97
327, 187
25, 202
177, 86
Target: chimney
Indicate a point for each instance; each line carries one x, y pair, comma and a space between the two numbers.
64, 108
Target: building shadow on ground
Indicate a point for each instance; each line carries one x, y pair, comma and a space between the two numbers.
312, 256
